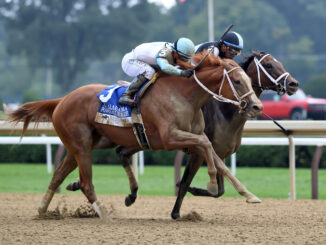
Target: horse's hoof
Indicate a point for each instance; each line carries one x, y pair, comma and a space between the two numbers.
253, 199
101, 211
175, 215
41, 211
212, 188
74, 186
129, 201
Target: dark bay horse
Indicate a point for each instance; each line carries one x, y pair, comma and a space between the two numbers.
172, 117
223, 126
225, 123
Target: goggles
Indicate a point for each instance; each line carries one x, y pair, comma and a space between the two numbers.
183, 58
233, 51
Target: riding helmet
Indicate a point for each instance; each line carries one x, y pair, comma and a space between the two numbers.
233, 39
184, 47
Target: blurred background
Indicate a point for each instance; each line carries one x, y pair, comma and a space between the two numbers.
50, 47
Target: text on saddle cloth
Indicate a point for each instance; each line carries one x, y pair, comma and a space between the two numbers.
110, 111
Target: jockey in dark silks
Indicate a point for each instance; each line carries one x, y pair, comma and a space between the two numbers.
228, 47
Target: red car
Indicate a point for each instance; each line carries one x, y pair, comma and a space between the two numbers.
296, 107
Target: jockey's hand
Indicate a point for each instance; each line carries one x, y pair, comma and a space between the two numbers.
187, 73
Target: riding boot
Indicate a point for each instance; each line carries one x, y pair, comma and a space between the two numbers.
127, 98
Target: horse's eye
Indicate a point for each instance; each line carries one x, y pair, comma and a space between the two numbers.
237, 82
269, 66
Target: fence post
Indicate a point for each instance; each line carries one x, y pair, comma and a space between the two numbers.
233, 163
48, 156
141, 162
314, 172
292, 168
135, 165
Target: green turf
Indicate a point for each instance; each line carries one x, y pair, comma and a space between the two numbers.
2, 115
264, 182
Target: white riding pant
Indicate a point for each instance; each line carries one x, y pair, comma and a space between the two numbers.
133, 67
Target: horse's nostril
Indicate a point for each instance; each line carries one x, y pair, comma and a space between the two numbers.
293, 84
257, 107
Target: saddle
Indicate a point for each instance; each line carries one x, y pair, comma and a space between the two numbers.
112, 113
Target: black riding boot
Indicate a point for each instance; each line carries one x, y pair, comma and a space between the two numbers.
127, 97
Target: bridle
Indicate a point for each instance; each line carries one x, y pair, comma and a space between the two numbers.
280, 88
219, 97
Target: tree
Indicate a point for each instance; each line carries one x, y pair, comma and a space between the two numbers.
1, 104
306, 19
30, 95
65, 36
315, 86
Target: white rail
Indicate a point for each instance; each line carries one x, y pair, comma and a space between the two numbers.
252, 128
37, 140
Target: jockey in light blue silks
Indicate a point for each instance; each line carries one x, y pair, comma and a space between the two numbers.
142, 61
228, 47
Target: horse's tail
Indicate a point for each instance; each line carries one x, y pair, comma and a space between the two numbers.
35, 111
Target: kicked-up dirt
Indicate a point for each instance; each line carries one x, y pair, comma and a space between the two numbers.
71, 220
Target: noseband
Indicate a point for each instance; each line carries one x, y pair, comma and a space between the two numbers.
280, 88
219, 97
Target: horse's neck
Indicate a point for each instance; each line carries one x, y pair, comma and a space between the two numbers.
198, 93
224, 114
252, 73
223, 126
188, 90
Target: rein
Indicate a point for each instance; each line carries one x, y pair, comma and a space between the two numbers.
281, 89
219, 97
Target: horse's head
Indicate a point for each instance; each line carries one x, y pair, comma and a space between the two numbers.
234, 84
241, 88
267, 73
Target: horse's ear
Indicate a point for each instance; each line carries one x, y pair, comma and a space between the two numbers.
255, 52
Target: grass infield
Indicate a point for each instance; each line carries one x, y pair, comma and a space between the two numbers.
159, 180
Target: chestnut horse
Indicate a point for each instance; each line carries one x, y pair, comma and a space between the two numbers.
172, 117
223, 126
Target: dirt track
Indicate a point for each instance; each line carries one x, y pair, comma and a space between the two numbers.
205, 221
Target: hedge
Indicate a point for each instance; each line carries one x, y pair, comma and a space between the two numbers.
248, 156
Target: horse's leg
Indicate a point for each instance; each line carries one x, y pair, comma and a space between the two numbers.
178, 139
84, 161
241, 189
202, 192
124, 155
102, 143
66, 167
194, 162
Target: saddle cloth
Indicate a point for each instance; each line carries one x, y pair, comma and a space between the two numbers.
110, 111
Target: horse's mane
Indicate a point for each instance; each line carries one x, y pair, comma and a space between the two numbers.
209, 61
248, 59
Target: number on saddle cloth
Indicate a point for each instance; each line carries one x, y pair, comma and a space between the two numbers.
110, 111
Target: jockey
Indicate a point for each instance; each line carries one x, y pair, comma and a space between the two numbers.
143, 61
228, 47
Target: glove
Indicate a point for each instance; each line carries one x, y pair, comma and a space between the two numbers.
187, 73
